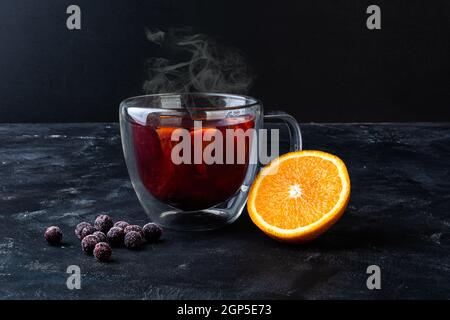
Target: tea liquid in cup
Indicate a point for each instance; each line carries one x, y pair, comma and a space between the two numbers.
190, 186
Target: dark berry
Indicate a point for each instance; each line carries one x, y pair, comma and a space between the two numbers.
152, 232
121, 224
80, 227
88, 243
133, 227
103, 223
115, 236
53, 235
102, 251
101, 236
133, 240
87, 231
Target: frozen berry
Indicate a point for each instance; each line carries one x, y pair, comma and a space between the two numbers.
101, 236
87, 231
133, 227
88, 243
53, 235
152, 232
80, 227
133, 240
121, 224
102, 251
115, 236
103, 223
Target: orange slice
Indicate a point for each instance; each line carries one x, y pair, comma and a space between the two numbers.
299, 195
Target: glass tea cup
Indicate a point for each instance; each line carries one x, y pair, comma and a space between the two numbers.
192, 157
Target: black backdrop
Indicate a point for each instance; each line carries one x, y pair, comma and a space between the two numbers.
313, 58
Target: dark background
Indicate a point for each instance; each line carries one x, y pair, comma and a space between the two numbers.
315, 59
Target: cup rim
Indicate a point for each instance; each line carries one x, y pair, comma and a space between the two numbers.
253, 101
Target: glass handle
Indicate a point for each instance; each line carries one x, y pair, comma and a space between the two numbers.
295, 133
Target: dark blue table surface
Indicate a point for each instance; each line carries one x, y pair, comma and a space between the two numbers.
398, 218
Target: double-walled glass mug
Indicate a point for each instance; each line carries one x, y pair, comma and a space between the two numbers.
192, 157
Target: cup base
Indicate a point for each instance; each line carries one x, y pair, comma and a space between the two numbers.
201, 220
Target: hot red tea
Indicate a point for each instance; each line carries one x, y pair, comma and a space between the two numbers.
190, 186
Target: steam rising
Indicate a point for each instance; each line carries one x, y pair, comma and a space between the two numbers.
198, 63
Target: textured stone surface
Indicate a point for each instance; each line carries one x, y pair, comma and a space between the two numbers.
398, 218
